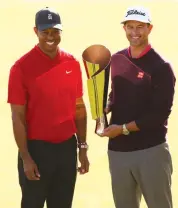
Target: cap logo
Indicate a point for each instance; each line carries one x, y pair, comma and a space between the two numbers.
133, 11
50, 16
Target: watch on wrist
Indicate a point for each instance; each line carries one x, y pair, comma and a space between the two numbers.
125, 131
83, 145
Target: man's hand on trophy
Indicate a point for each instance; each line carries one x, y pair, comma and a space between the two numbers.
112, 131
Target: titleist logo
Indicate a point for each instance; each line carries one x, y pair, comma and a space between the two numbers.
130, 12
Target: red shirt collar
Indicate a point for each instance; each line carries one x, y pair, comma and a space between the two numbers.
47, 57
145, 51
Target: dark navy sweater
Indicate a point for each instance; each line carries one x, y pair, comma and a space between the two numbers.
146, 101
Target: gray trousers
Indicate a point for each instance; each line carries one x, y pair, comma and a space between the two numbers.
146, 172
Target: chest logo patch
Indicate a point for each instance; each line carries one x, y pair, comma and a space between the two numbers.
68, 71
140, 75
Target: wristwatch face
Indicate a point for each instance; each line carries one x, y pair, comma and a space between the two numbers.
83, 146
125, 131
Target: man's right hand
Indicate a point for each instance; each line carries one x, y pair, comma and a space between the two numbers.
19, 128
31, 169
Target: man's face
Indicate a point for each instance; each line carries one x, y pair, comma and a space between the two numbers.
48, 39
137, 32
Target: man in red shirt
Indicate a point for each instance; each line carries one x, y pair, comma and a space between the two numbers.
49, 118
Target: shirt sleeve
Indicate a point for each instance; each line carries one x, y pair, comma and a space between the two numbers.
163, 84
16, 89
79, 85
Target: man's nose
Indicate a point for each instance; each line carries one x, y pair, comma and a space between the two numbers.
135, 31
50, 36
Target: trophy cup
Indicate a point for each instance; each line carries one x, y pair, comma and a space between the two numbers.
96, 59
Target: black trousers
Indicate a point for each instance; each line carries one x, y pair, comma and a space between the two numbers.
57, 164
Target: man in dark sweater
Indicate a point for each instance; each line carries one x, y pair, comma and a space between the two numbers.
140, 103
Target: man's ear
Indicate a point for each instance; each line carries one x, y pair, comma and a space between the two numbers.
124, 27
35, 30
150, 28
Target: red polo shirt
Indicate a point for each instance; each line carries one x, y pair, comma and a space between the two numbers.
48, 88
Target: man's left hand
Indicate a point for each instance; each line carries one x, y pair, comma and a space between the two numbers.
112, 131
83, 158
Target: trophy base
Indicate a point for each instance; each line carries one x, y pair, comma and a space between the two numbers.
101, 124
100, 130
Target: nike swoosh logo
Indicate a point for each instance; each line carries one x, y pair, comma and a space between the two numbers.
68, 72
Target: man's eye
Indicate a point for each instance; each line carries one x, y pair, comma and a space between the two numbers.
57, 32
44, 32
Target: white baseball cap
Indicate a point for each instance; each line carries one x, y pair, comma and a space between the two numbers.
137, 13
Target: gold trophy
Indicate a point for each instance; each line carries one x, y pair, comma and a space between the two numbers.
96, 59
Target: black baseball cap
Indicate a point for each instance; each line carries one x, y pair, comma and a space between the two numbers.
47, 18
